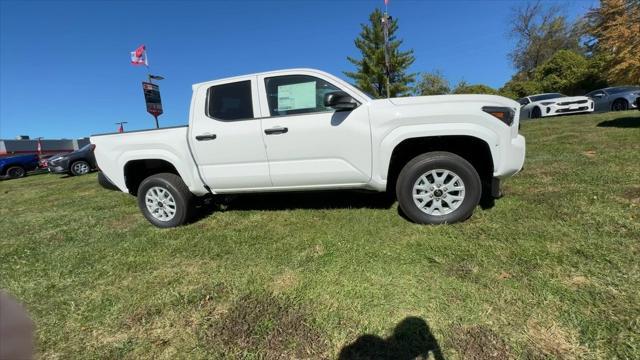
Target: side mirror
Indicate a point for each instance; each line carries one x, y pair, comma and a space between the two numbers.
340, 100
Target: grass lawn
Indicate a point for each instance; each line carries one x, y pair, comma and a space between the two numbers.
551, 271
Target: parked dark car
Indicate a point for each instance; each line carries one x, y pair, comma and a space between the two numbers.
76, 163
17, 166
617, 98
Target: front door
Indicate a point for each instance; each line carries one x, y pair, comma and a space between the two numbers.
226, 137
308, 144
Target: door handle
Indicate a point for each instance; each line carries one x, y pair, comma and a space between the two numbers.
276, 130
205, 137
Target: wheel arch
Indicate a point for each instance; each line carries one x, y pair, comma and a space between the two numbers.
474, 149
619, 99
6, 168
136, 170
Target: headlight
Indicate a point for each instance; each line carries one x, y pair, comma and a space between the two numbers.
503, 114
547, 103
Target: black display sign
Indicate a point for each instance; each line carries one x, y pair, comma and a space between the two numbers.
152, 98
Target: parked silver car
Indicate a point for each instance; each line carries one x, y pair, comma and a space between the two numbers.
617, 98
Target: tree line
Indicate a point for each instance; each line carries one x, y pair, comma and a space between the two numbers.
552, 54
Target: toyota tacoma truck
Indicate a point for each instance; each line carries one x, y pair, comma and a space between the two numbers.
304, 129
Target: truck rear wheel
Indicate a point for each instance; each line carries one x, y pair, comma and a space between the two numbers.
438, 188
165, 200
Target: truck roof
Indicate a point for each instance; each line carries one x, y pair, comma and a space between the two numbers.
272, 72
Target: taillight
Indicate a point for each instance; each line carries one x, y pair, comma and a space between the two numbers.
504, 114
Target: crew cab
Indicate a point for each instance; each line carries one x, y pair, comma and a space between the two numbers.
304, 129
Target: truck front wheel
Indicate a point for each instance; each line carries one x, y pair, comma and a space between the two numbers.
165, 200
437, 188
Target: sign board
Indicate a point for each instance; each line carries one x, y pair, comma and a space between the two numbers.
152, 98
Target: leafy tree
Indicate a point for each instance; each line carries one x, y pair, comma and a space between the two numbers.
565, 72
464, 88
540, 32
433, 83
370, 74
519, 86
614, 28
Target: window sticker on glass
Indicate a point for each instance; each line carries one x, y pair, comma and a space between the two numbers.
297, 96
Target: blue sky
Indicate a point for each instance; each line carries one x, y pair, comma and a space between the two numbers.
65, 72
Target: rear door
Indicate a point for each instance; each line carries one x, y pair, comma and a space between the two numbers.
226, 136
308, 144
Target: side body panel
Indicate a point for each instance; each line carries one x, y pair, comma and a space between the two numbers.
114, 151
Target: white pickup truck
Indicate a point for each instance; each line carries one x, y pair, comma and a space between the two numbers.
304, 129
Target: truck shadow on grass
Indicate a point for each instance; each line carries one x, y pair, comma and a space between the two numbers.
306, 200
625, 122
411, 339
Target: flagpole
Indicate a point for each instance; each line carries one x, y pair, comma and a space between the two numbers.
146, 63
387, 60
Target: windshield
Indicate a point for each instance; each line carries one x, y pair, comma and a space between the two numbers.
622, 89
547, 96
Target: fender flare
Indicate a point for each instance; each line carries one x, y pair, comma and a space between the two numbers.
153, 154
402, 133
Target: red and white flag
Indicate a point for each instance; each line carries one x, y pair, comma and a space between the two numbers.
39, 147
139, 56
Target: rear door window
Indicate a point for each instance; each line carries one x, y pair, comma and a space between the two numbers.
230, 102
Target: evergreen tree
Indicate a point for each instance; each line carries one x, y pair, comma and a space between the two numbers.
370, 74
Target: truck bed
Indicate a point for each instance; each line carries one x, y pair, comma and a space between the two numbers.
115, 150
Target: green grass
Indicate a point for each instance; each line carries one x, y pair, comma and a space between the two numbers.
551, 271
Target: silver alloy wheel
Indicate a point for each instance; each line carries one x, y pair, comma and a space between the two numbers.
160, 203
81, 168
438, 192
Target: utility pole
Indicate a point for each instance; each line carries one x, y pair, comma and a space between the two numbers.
386, 19
121, 126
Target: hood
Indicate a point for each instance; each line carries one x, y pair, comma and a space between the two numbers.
57, 156
448, 99
565, 99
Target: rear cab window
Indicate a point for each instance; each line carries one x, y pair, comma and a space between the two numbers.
230, 102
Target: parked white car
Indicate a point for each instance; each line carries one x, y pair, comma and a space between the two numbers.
304, 129
551, 104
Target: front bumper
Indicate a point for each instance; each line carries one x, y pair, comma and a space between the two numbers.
556, 109
512, 158
57, 170
58, 167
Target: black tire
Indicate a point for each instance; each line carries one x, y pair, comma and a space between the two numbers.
79, 168
16, 171
423, 164
105, 182
619, 105
183, 198
536, 113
